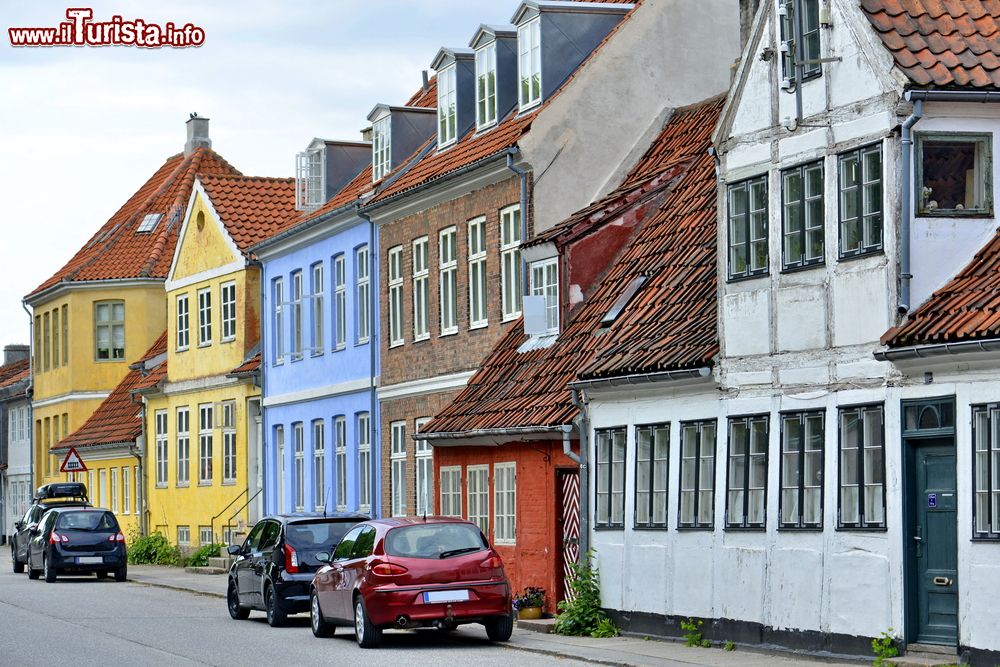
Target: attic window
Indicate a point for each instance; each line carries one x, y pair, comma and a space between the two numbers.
529, 63
623, 300
149, 223
381, 148
447, 120
309, 179
802, 29
486, 86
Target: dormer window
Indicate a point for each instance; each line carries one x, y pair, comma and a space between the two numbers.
796, 29
486, 86
447, 119
545, 283
381, 145
529, 63
309, 179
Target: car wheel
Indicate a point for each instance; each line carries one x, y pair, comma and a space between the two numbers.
121, 574
320, 626
32, 572
275, 616
50, 572
499, 628
233, 603
367, 634
18, 565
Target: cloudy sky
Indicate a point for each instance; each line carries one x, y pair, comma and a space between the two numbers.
82, 128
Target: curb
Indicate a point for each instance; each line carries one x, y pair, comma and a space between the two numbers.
177, 588
565, 656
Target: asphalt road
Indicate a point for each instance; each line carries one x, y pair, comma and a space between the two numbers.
86, 621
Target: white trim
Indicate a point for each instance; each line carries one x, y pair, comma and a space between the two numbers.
75, 396
238, 259
204, 276
425, 385
54, 292
108, 454
199, 384
349, 387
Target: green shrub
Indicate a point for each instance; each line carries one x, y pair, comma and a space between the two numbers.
884, 647
692, 633
201, 555
729, 645
153, 549
582, 615
605, 628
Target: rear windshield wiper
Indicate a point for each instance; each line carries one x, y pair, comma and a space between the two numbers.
456, 552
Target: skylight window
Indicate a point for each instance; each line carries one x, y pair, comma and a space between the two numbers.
149, 223
623, 300
447, 116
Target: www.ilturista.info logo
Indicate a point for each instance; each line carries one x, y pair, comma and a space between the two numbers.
82, 30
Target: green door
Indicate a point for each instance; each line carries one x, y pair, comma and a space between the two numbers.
934, 543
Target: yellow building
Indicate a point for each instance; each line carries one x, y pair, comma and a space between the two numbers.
104, 308
203, 418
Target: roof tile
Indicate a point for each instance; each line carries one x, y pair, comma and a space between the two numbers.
251, 207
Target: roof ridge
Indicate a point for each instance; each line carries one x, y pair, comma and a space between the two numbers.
234, 177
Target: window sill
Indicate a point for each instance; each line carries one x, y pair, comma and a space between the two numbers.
752, 276
510, 318
523, 108
609, 528
800, 529
421, 338
803, 267
228, 340
503, 543
317, 354
361, 341
161, 485
986, 539
442, 146
693, 529
295, 359
396, 344
661, 529
339, 348
204, 483
478, 325
182, 485
183, 349
208, 344
952, 213
450, 332
874, 252
229, 482
744, 529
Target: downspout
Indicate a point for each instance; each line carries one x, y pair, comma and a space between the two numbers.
29, 392
263, 431
800, 54
522, 174
906, 148
373, 461
140, 493
583, 428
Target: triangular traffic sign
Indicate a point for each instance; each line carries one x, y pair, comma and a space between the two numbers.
72, 462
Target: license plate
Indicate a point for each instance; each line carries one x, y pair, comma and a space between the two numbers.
89, 560
446, 596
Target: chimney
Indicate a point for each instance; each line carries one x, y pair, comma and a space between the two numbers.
12, 353
197, 134
748, 10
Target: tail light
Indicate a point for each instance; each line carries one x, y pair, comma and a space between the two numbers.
117, 537
56, 538
291, 560
493, 562
389, 570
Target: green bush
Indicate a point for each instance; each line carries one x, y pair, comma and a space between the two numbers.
153, 549
884, 647
582, 615
605, 628
692, 633
201, 555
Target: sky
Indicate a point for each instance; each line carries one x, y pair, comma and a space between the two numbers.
81, 128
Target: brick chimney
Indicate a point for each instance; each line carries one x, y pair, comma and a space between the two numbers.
197, 134
12, 353
748, 10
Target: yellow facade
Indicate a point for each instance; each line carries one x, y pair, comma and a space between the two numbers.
200, 423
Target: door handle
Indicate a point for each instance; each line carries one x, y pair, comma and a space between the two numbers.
918, 539
942, 581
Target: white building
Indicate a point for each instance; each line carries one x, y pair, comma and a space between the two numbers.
15, 437
836, 472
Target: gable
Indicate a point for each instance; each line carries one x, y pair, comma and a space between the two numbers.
204, 246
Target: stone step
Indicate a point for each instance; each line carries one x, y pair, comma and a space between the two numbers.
917, 659
223, 562
205, 570
543, 625
931, 648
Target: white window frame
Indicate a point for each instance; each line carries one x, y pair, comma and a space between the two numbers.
421, 291
299, 449
478, 496
114, 490
339, 302
126, 490
162, 459
447, 114
184, 536
486, 86
362, 291
450, 483
278, 297
340, 447
381, 147
205, 536
424, 469
541, 274
319, 464
448, 280
229, 442
511, 274
298, 334
529, 64
205, 317
112, 328
279, 448
398, 468
504, 503
478, 306
366, 489
183, 323
102, 487
183, 421
395, 274
227, 303
205, 444
310, 179
318, 287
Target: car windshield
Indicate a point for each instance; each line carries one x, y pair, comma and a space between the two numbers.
434, 540
86, 521
317, 534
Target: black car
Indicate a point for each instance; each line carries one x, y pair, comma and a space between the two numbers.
274, 566
77, 540
62, 494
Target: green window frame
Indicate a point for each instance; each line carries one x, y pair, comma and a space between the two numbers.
800, 503
802, 216
746, 476
652, 468
696, 504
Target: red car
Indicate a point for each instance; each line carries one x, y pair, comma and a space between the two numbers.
408, 573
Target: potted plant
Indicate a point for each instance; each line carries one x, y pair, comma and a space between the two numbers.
528, 604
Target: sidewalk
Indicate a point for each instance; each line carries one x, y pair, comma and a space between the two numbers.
625, 651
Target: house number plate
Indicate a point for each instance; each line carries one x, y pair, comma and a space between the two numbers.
932, 500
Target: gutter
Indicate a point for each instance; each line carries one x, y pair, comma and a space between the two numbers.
493, 432
522, 174
373, 290
643, 378
939, 350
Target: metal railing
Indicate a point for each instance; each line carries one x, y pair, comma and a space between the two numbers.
229, 523
224, 509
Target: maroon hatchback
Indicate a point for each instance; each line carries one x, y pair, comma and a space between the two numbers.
409, 573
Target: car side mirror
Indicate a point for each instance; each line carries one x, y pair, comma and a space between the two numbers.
234, 550
18, 525
33, 530
323, 557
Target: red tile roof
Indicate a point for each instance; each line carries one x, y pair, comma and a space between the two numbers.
670, 323
967, 307
941, 43
248, 367
118, 419
251, 207
14, 372
117, 251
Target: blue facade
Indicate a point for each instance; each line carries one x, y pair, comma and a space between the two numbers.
317, 379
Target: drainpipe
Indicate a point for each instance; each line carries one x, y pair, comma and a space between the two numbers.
140, 493
906, 146
522, 174
29, 392
263, 431
583, 428
800, 54
373, 461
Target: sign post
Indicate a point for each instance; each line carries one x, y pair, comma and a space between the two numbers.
73, 462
